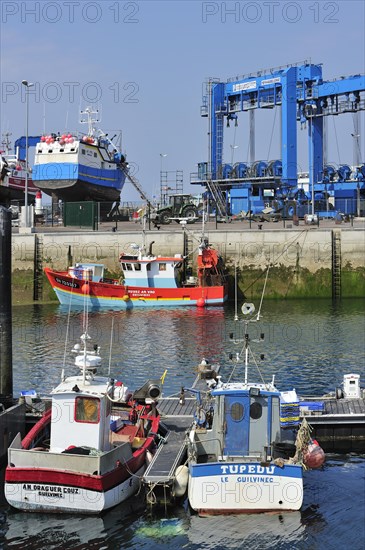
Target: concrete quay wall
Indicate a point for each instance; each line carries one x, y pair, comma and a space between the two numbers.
310, 249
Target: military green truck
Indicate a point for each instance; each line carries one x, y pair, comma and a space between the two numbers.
180, 206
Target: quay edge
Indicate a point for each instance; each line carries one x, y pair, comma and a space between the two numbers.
302, 259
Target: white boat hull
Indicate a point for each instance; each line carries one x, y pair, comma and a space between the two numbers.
239, 487
42, 497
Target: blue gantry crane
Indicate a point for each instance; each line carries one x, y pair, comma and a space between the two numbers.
303, 96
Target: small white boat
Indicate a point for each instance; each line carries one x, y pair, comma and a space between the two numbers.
89, 450
238, 455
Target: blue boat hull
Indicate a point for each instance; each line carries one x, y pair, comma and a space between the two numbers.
77, 182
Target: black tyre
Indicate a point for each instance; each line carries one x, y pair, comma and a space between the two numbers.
165, 217
191, 213
291, 209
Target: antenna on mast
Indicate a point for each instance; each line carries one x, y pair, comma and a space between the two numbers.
89, 116
6, 142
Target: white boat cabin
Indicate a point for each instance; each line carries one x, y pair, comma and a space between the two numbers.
151, 271
87, 272
81, 413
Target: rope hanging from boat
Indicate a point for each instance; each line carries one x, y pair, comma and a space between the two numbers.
262, 294
67, 337
111, 346
301, 443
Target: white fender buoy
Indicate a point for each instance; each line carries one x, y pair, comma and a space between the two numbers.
180, 481
38, 203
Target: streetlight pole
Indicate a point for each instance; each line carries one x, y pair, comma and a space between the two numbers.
27, 86
311, 168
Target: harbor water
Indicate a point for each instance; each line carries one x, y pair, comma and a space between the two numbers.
309, 345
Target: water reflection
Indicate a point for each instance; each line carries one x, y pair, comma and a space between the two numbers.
247, 531
51, 532
308, 345
144, 344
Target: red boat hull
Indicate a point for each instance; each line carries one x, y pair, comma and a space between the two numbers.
112, 294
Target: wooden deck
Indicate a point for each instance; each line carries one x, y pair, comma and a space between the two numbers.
349, 409
340, 427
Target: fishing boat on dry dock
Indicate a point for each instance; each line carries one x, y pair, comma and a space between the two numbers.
77, 168
238, 456
89, 450
147, 280
14, 173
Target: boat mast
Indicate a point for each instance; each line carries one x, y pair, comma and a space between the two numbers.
247, 349
87, 118
85, 336
6, 142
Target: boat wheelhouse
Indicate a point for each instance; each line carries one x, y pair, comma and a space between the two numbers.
232, 466
239, 457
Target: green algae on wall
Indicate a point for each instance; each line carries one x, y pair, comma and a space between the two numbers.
282, 282
286, 282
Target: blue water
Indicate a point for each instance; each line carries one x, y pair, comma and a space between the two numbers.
308, 345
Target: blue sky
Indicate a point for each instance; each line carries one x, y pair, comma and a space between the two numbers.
146, 62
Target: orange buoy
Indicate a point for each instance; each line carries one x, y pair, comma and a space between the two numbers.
314, 457
200, 302
85, 287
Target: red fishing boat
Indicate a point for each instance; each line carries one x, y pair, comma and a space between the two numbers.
147, 280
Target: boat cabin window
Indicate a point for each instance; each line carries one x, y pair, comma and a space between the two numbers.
83, 151
255, 410
95, 155
162, 267
87, 409
148, 267
237, 411
129, 267
137, 267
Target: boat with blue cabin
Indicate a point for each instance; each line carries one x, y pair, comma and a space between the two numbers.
240, 457
70, 167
